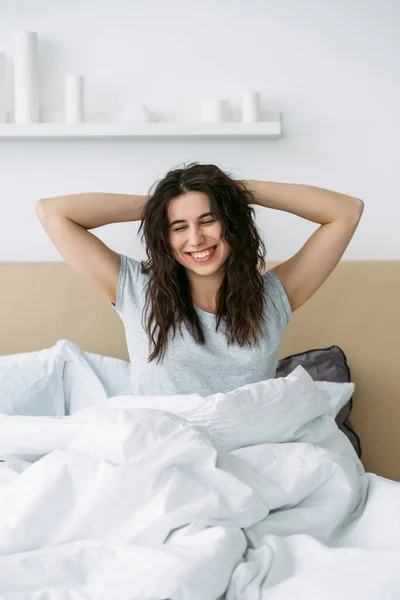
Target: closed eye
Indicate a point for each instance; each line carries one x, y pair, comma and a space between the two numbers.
204, 223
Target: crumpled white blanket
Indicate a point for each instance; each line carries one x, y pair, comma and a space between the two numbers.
207, 502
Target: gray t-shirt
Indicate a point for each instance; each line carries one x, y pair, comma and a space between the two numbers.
189, 367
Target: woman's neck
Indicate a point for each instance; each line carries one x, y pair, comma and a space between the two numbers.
204, 290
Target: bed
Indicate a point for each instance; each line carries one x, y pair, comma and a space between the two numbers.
255, 493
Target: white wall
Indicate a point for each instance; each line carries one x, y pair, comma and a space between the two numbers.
332, 68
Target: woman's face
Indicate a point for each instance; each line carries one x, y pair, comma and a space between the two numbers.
195, 239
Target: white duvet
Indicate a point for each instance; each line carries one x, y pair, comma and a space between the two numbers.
250, 495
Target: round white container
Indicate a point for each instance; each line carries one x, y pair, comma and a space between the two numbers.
26, 102
215, 111
74, 101
250, 106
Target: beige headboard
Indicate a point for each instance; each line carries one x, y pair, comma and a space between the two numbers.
357, 309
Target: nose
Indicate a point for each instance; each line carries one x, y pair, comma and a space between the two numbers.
196, 237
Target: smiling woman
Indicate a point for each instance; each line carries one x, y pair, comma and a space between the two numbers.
200, 314
204, 251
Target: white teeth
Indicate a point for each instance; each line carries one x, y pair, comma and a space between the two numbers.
202, 254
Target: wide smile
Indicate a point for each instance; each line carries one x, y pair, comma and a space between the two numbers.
203, 256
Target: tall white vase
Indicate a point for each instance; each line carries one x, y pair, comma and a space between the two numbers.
74, 99
3, 88
250, 106
26, 107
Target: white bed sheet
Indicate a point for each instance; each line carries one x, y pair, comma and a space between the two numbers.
198, 502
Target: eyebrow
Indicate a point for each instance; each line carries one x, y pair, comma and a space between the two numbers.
183, 221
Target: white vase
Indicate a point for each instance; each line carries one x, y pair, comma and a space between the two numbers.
26, 107
250, 106
74, 99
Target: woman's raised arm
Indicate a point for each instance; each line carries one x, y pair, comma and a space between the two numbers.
67, 219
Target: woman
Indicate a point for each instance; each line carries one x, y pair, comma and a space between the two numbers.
200, 316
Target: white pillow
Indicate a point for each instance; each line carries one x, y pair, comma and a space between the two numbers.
90, 378
114, 373
31, 383
82, 387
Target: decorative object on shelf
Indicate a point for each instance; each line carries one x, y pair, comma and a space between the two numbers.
215, 111
250, 106
74, 99
3, 95
26, 99
133, 112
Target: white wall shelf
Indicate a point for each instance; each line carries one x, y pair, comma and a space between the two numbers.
262, 129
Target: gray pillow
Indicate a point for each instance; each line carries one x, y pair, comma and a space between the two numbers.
325, 364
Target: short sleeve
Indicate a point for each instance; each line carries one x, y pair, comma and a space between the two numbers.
276, 293
131, 283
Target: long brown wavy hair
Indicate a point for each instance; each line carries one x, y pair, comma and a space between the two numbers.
240, 298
